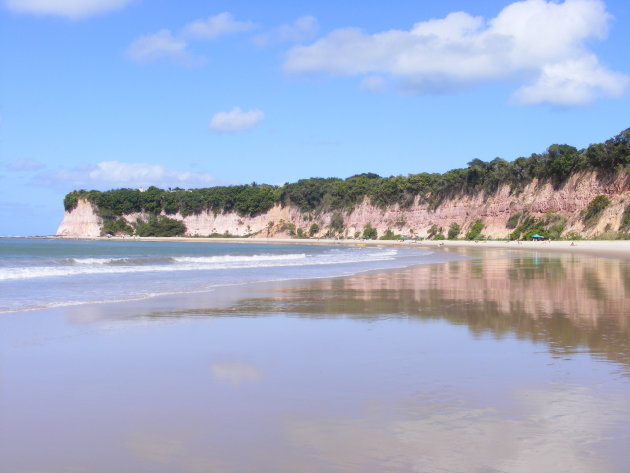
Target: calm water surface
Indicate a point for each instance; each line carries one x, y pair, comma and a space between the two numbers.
504, 362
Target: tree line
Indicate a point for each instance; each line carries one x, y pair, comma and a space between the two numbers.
316, 195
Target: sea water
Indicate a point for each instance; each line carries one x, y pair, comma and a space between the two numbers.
41, 273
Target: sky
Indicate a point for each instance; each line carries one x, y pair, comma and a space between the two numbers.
103, 94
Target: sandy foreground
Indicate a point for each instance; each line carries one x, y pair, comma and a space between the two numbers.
480, 364
607, 248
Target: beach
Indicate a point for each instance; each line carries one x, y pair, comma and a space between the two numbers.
607, 248
476, 357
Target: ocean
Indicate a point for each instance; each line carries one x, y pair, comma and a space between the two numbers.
44, 273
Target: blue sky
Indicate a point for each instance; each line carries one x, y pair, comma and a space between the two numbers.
101, 94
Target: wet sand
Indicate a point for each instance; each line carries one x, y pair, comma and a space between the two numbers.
507, 361
606, 248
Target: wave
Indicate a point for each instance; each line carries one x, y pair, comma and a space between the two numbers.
236, 259
115, 261
94, 266
183, 259
97, 260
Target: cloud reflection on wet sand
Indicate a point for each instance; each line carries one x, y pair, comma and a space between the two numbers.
511, 365
235, 372
551, 430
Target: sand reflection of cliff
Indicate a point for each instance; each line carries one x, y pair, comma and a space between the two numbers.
568, 302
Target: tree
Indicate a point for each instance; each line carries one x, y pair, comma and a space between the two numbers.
317, 196
370, 233
389, 235
453, 231
336, 222
434, 230
159, 226
562, 160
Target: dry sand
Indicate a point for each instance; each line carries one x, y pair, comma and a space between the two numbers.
607, 248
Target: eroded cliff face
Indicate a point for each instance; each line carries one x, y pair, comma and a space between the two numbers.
538, 199
82, 221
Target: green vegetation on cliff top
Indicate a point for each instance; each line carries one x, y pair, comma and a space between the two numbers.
327, 194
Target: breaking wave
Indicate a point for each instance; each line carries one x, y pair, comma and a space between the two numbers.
85, 266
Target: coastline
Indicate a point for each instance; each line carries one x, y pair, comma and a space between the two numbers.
604, 248
136, 270
521, 337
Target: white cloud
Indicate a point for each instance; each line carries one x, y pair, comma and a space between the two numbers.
236, 120
74, 9
215, 26
574, 82
165, 45
529, 40
302, 29
108, 174
162, 45
25, 165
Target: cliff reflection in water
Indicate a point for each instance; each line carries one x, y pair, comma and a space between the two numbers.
569, 302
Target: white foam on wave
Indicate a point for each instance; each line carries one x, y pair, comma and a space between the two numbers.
196, 264
186, 259
96, 260
237, 259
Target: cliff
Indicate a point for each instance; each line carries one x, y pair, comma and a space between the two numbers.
82, 221
538, 199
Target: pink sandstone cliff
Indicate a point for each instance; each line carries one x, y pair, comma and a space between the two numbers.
538, 199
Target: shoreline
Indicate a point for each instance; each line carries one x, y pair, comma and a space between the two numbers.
608, 249
254, 284
411, 343
604, 248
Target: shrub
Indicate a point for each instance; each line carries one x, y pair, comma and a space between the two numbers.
551, 226
390, 235
475, 230
159, 226
226, 234
624, 226
555, 231
71, 200
313, 230
595, 208
370, 233
116, 227
434, 230
336, 222
573, 235
513, 221
288, 227
454, 230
